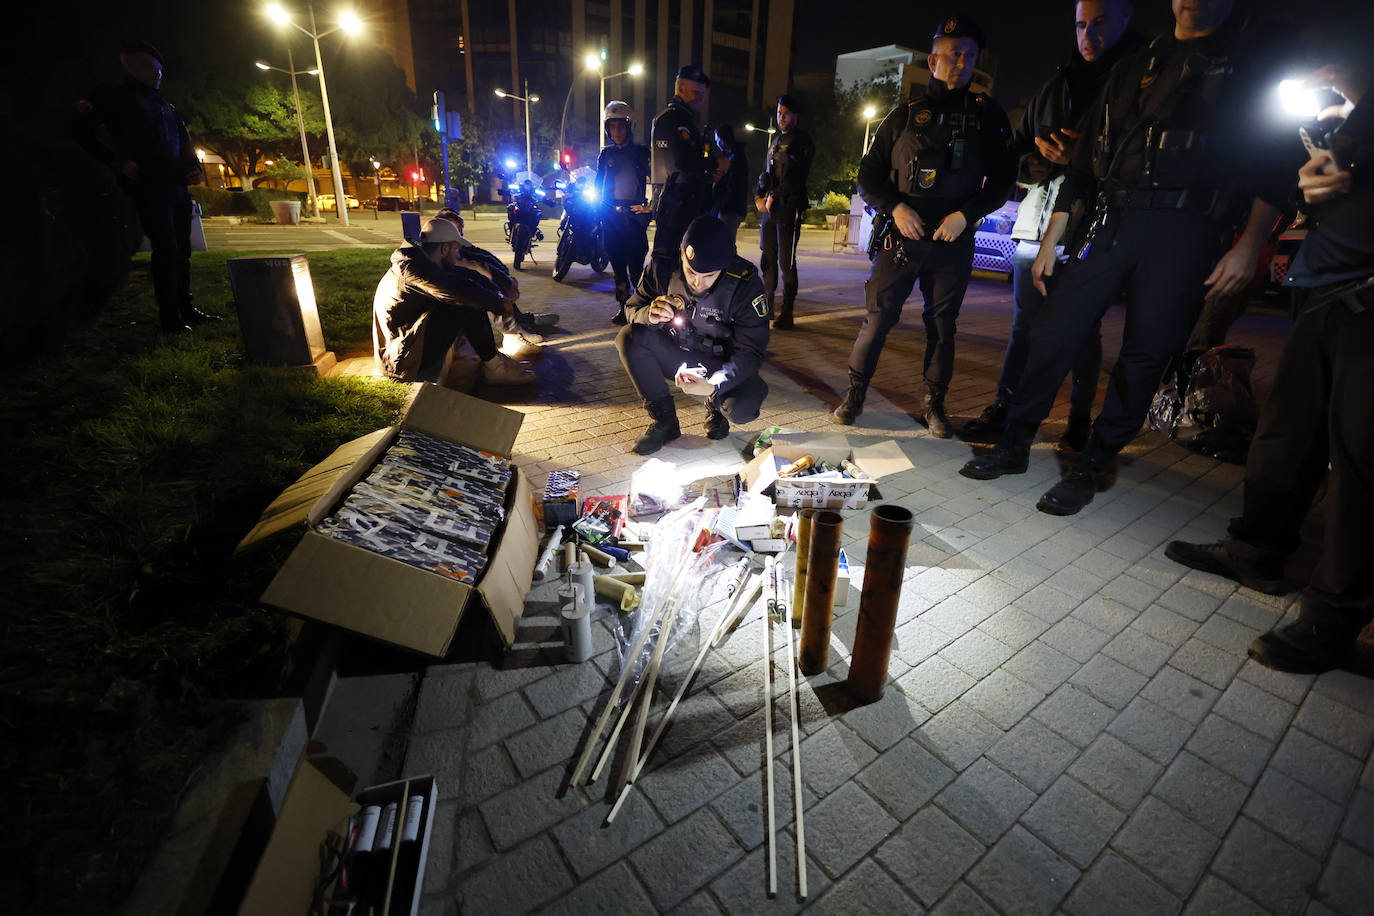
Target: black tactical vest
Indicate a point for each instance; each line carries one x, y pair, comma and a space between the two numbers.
939, 152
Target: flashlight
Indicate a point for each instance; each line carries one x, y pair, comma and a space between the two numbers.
1298, 100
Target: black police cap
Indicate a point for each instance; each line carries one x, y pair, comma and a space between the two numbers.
962, 25
790, 103
139, 46
694, 73
707, 245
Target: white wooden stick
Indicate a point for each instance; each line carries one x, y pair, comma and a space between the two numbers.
609, 749
796, 753
771, 591
744, 599
631, 659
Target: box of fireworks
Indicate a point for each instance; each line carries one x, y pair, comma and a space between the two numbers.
658, 486
331, 847
821, 470
560, 498
772, 540
406, 529
754, 517
602, 517
842, 580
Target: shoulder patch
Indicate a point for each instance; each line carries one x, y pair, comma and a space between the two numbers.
684, 133
761, 306
923, 117
660, 144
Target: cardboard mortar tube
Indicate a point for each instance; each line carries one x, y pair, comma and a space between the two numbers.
889, 533
803, 547
822, 565
624, 594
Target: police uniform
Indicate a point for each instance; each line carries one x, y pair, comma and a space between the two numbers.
1317, 426
1173, 156
724, 330
621, 174
784, 177
944, 151
134, 123
681, 170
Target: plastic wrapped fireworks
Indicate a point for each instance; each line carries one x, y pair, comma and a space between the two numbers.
475, 533
459, 495
393, 539
450, 458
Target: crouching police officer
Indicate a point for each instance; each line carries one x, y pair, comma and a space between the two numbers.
937, 166
702, 322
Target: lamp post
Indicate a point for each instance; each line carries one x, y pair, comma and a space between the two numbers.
300, 123
377, 205
349, 23
766, 131
594, 62
527, 99
870, 120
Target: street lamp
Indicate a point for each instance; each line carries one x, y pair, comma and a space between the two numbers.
349, 23
300, 122
594, 62
377, 204
870, 119
528, 100
766, 131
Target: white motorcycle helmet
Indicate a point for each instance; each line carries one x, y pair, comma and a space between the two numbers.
618, 111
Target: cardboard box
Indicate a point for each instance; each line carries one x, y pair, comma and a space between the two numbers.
316, 802
877, 461
351, 587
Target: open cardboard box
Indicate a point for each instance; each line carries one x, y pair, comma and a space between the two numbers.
354, 588
318, 801
877, 461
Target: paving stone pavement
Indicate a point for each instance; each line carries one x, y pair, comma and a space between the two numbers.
1071, 723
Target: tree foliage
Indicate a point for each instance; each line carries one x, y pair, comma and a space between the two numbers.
839, 146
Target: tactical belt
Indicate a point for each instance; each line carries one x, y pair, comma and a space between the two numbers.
1163, 199
1358, 295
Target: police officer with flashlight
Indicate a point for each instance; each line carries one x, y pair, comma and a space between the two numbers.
622, 171
682, 164
703, 322
937, 166
1177, 153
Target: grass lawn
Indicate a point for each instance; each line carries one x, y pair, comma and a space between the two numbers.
135, 464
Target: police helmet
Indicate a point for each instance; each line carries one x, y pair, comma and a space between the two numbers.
619, 111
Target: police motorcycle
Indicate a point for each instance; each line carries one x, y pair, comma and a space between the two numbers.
579, 232
522, 222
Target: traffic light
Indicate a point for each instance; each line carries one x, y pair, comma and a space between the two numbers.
567, 158
437, 116
415, 176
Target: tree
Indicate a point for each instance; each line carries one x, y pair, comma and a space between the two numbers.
839, 148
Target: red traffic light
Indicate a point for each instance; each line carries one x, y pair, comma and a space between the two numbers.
415, 176
567, 157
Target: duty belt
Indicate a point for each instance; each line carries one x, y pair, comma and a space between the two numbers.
1358, 295
1163, 199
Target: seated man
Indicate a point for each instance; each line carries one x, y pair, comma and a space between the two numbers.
703, 321
426, 300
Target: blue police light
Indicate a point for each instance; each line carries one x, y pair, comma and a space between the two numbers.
540, 192
511, 163
590, 195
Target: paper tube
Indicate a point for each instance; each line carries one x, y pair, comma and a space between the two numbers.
818, 613
889, 533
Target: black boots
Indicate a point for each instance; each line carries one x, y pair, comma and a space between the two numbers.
717, 427
991, 421
1078, 487
853, 404
1235, 560
933, 411
784, 320
1011, 456
663, 430
1316, 642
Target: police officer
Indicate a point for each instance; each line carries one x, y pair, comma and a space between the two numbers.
1045, 135
1177, 152
937, 166
622, 170
682, 165
1318, 424
524, 215
137, 132
703, 322
780, 197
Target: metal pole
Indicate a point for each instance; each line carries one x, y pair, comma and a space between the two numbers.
867, 124
305, 150
528, 167
340, 199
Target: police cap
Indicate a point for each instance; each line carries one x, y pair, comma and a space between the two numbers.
962, 25
790, 103
707, 245
139, 46
694, 73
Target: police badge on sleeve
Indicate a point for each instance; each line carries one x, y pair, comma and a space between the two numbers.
760, 306
925, 178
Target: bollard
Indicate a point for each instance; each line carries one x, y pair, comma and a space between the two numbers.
821, 567
889, 533
803, 548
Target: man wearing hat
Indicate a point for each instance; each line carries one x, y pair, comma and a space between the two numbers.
681, 168
937, 165
703, 322
426, 300
781, 199
138, 134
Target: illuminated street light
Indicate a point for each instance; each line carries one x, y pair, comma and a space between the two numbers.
594, 62
870, 117
528, 100
351, 24
312, 197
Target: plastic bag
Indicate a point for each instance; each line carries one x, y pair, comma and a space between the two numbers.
1209, 407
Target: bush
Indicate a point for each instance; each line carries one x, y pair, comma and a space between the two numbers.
257, 203
833, 204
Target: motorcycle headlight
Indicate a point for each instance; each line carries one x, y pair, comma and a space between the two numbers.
590, 195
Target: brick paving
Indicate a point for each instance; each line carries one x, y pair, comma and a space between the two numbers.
1071, 723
